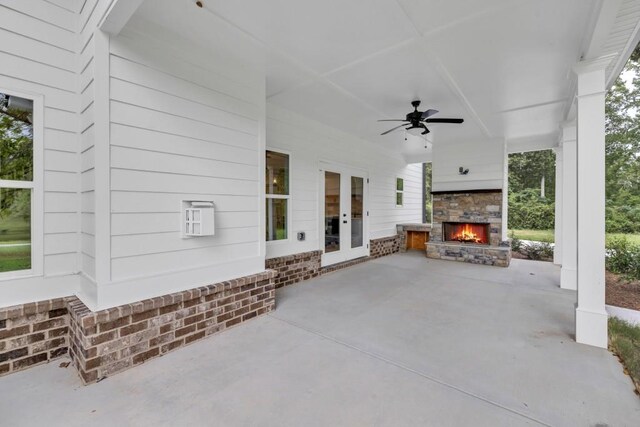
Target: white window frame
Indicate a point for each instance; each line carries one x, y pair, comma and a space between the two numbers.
36, 186
395, 185
280, 196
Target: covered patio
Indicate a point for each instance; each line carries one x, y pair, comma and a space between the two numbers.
396, 341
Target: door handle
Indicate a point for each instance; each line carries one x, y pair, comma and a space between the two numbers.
344, 222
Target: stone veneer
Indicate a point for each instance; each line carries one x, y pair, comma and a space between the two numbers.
31, 334
404, 229
498, 256
483, 206
295, 268
480, 206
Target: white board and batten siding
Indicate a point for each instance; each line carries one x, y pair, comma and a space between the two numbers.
185, 125
38, 42
308, 143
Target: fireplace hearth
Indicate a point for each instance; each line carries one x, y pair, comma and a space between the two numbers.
466, 232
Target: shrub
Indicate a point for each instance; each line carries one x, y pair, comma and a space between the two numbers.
623, 219
623, 257
537, 250
516, 244
527, 210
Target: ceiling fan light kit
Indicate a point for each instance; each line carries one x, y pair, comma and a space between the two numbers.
417, 119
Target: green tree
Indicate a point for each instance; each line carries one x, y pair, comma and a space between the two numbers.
428, 206
16, 155
623, 150
531, 169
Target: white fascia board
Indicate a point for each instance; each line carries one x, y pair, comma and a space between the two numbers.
118, 15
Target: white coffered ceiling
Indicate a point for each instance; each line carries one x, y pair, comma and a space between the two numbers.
502, 65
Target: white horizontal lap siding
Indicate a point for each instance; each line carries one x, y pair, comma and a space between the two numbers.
385, 215
90, 14
310, 142
182, 128
484, 159
38, 55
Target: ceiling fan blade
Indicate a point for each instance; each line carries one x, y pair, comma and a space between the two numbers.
426, 131
430, 112
444, 121
393, 120
391, 130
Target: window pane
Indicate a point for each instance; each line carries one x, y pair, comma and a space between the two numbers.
276, 219
331, 212
399, 199
399, 184
357, 197
15, 229
16, 138
277, 178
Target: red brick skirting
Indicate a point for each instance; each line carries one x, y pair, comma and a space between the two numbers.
385, 246
31, 334
106, 342
295, 268
306, 265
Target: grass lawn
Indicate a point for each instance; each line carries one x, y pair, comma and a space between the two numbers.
535, 235
624, 340
15, 248
547, 236
14, 230
15, 258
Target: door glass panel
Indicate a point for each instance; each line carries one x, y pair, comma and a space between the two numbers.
357, 197
331, 212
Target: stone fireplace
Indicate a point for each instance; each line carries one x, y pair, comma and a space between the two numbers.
467, 227
466, 232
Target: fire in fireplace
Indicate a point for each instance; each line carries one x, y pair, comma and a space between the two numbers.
466, 232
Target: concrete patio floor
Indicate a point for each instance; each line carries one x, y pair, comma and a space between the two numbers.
398, 341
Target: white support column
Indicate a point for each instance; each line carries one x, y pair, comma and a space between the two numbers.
505, 192
569, 272
557, 250
591, 317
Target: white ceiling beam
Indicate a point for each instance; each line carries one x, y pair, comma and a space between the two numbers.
118, 15
532, 143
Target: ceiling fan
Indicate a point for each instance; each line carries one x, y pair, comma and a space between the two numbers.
417, 119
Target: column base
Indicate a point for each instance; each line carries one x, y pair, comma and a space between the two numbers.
591, 327
557, 258
569, 278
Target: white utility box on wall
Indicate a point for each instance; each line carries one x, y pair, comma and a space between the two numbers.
197, 218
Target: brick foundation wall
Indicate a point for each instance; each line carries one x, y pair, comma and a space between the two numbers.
306, 265
295, 268
106, 342
385, 246
31, 334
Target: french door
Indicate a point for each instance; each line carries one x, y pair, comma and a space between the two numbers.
344, 214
